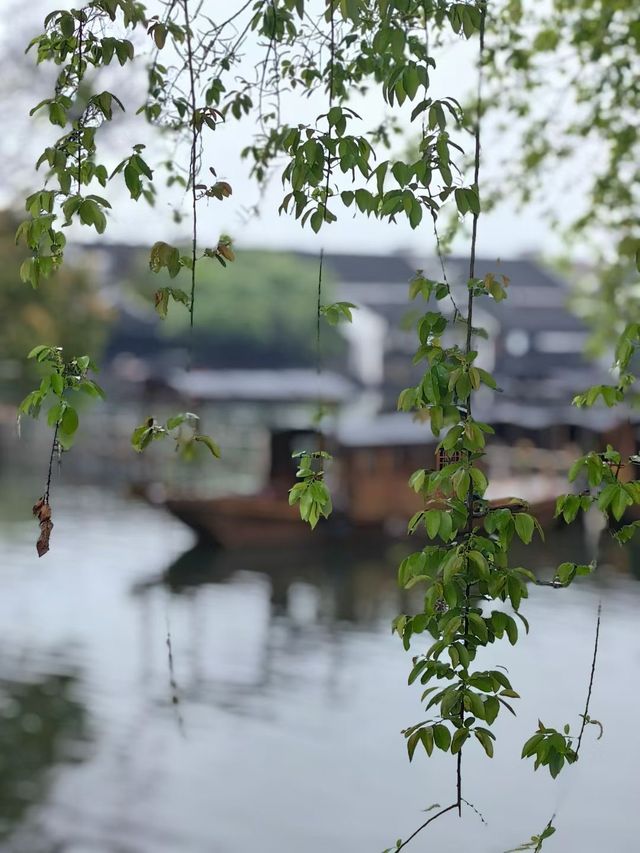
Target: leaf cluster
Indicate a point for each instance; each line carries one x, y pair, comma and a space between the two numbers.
181, 428
311, 493
62, 377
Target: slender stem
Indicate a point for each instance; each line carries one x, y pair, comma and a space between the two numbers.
80, 76
476, 178
468, 344
332, 49
54, 447
234, 15
270, 47
541, 842
318, 308
425, 824
331, 85
193, 160
459, 758
443, 268
326, 200
175, 694
474, 809
591, 678
585, 713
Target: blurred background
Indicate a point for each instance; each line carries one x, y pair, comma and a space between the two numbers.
190, 670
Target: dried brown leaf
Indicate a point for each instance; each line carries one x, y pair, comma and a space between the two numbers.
42, 545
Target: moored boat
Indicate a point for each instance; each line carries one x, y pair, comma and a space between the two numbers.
369, 475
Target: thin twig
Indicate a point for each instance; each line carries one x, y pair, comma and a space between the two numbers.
443, 268
175, 697
326, 199
80, 76
468, 344
436, 234
425, 824
459, 757
193, 160
331, 86
585, 715
541, 841
476, 177
477, 811
54, 447
318, 308
265, 64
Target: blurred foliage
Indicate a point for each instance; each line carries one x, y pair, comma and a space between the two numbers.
263, 306
66, 311
41, 725
563, 81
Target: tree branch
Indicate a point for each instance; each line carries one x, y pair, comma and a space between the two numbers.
426, 823
585, 715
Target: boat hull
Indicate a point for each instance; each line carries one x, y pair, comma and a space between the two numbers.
244, 522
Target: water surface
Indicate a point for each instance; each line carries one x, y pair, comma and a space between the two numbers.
276, 725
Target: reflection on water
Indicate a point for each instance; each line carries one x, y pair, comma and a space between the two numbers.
291, 691
41, 725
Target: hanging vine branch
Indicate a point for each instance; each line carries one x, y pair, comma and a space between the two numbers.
464, 568
193, 159
63, 382
544, 748
190, 120
311, 493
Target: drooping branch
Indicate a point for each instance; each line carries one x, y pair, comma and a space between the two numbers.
173, 683
585, 714
439, 814
468, 345
193, 157
318, 320
537, 842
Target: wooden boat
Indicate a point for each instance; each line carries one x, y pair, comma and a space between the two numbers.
243, 520
371, 496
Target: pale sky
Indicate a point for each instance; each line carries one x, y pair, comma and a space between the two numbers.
503, 233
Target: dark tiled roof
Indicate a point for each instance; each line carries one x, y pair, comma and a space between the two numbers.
366, 269
398, 429
281, 385
520, 271
532, 319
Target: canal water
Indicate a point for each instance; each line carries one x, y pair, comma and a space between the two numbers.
161, 698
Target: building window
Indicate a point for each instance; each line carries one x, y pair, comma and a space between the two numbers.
517, 342
561, 343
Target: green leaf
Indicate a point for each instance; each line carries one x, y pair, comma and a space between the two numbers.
412, 743
316, 220
92, 388
69, 422
530, 747
485, 740
432, 522
57, 383
480, 629
426, 736
39, 350
210, 444
55, 413
515, 591
446, 526
620, 503
524, 526
512, 630
442, 737
458, 739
